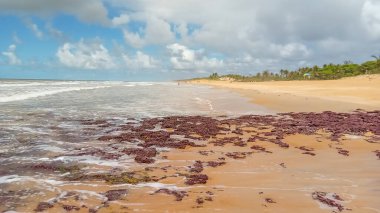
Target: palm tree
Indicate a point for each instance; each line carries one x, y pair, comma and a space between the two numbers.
266, 73
282, 73
347, 62
286, 72
377, 59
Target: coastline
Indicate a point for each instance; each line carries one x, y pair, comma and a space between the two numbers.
285, 162
343, 95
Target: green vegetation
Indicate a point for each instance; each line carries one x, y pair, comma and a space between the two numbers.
326, 72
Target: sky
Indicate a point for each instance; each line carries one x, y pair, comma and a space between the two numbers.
157, 40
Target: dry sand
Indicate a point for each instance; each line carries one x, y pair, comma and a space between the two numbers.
341, 95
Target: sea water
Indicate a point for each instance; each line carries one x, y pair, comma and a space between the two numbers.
40, 120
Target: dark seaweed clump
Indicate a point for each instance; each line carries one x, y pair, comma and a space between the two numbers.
116, 194
42, 206
179, 195
197, 167
196, 179
322, 197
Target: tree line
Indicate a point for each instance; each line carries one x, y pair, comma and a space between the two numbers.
325, 72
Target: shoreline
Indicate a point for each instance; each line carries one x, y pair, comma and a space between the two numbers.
290, 162
343, 95
284, 162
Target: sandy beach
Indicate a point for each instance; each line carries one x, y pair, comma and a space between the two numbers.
340, 95
282, 162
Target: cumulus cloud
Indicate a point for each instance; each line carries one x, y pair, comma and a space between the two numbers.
120, 20
371, 17
134, 39
279, 33
246, 35
291, 50
156, 32
140, 61
184, 58
11, 55
92, 11
85, 55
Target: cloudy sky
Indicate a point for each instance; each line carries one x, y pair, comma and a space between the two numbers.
172, 39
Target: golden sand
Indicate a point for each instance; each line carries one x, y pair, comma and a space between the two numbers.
309, 96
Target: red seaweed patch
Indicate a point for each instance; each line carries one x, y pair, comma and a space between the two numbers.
308, 153
196, 179
377, 152
43, 206
179, 195
238, 155
197, 167
269, 200
343, 151
116, 194
70, 208
328, 200
260, 148
215, 163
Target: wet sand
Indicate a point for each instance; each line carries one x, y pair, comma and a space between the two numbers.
294, 162
342, 95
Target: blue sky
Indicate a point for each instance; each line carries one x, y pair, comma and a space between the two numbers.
173, 39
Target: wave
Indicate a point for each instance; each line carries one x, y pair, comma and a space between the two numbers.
201, 101
20, 97
38, 84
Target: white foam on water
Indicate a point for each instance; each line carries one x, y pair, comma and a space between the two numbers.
10, 179
49, 148
91, 193
157, 185
26, 95
202, 101
353, 137
17, 178
8, 84
91, 160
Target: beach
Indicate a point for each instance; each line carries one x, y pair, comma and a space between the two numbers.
211, 150
341, 95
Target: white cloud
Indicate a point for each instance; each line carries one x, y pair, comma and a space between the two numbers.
92, 11
55, 33
184, 58
140, 61
16, 39
156, 32
34, 28
249, 35
133, 39
371, 17
291, 50
182, 30
85, 55
11, 55
279, 34
120, 20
